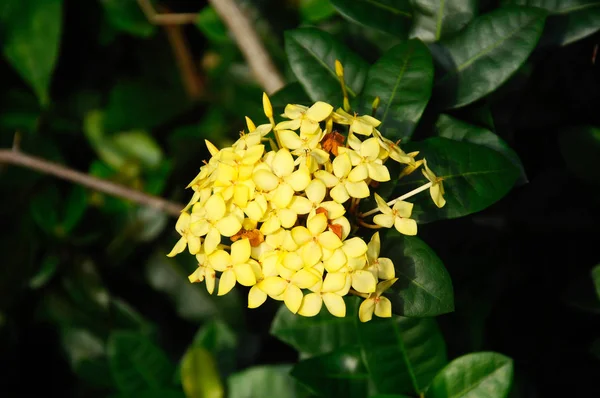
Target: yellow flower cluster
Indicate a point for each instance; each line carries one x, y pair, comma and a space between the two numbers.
280, 215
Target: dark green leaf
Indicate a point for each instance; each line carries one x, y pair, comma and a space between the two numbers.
474, 178
159, 393
340, 373
264, 381
292, 93
211, 25
390, 16
317, 335
580, 147
127, 16
424, 287
596, 279
75, 207
481, 375
402, 354
87, 356
222, 342
485, 54
454, 129
402, 78
437, 19
569, 20
316, 10
199, 374
46, 271
31, 37
44, 209
312, 54
136, 363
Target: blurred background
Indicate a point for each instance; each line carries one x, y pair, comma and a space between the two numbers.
132, 102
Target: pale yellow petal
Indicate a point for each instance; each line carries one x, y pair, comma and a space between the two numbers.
253, 154
335, 304
384, 220
378, 172
300, 205
301, 235
219, 260
385, 269
265, 180
342, 165
283, 163
183, 221
226, 282
437, 195
308, 127
217, 207
229, 226
406, 226
363, 281
287, 217
311, 305
383, 308
334, 209
244, 274
282, 196
271, 225
288, 125
293, 261
334, 281
304, 279
299, 179
211, 278
382, 205
256, 297
319, 111
359, 173
292, 297
355, 247
403, 209
357, 189
366, 309
193, 243
339, 193
316, 191
373, 248
385, 285
240, 251
336, 261
329, 179
289, 139
317, 224
273, 286
178, 248
370, 148
311, 253
329, 240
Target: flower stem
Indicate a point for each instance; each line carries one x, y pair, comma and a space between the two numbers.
405, 196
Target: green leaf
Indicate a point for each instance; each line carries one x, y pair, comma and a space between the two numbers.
199, 374
569, 20
580, 147
139, 145
211, 25
316, 10
424, 287
45, 273
437, 19
44, 209
402, 354
292, 93
319, 334
160, 393
478, 375
264, 381
402, 78
455, 129
485, 54
127, 16
390, 16
220, 341
312, 54
75, 206
136, 363
31, 37
474, 178
340, 373
87, 356
596, 279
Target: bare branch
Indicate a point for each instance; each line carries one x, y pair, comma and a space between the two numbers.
165, 19
15, 157
249, 43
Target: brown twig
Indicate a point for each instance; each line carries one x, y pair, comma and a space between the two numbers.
250, 44
165, 19
15, 157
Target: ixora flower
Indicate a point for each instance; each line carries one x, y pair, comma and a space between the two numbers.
278, 211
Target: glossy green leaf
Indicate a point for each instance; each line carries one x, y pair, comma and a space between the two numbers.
478, 375
264, 381
437, 19
31, 40
580, 147
127, 16
222, 342
402, 79
402, 354
315, 10
199, 374
211, 25
455, 129
596, 279
340, 373
474, 178
136, 363
569, 20
312, 54
319, 334
390, 16
424, 287
292, 93
485, 54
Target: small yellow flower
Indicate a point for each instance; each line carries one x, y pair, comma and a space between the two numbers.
213, 220
314, 238
204, 272
362, 125
236, 266
397, 216
381, 267
437, 187
376, 303
188, 239
365, 158
306, 149
304, 118
312, 303
342, 186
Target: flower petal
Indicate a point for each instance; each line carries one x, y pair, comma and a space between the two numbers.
357, 189
299, 179
178, 248
245, 275
384, 220
282, 196
378, 172
256, 297
283, 163
383, 308
317, 224
359, 173
292, 297
329, 240
339, 193
300, 205
228, 226
304, 279
319, 111
342, 165
265, 180
289, 139
365, 311
355, 247
217, 207
311, 305
240, 251
274, 286
363, 281
316, 191
406, 226
334, 281
385, 269
335, 304
226, 282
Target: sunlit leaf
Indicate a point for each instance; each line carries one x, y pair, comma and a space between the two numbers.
199, 374
264, 381
437, 19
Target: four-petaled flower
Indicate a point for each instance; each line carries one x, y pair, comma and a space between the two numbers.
377, 304
397, 216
